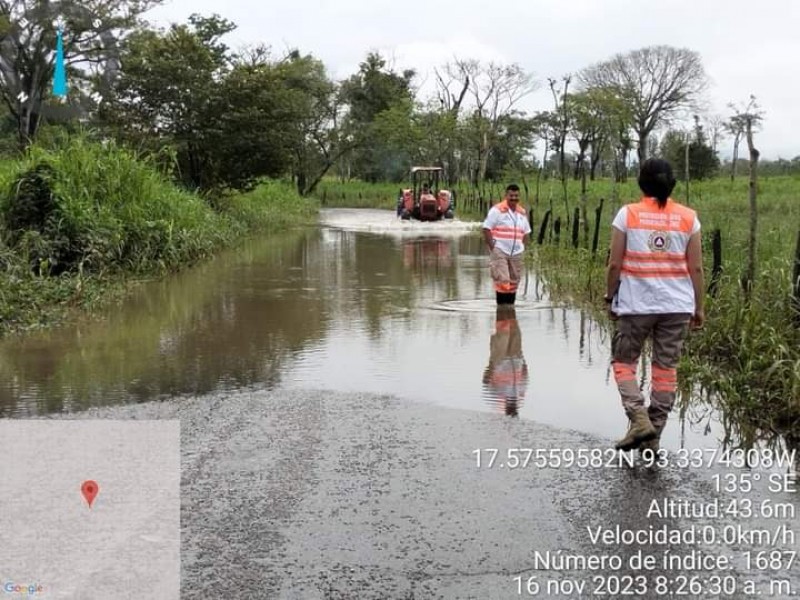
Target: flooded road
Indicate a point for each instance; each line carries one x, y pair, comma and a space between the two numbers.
343, 393
365, 303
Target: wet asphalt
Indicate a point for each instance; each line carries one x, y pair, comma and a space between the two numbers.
298, 494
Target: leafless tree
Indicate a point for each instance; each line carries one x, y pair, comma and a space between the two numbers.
494, 90
715, 125
452, 84
457, 73
735, 126
751, 116
657, 82
562, 110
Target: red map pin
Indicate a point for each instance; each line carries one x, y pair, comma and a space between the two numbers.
89, 490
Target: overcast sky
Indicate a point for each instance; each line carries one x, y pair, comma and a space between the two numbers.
746, 47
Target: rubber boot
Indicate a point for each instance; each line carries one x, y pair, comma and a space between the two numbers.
640, 430
505, 298
652, 444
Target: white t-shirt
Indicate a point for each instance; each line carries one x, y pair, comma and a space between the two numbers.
508, 227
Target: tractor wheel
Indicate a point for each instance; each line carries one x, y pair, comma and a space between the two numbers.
449, 214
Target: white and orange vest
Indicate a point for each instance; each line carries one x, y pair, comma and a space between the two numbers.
655, 272
507, 227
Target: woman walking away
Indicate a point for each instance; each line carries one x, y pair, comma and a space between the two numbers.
655, 288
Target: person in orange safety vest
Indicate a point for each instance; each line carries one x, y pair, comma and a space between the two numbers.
654, 289
506, 230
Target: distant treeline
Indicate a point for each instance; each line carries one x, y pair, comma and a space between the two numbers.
228, 117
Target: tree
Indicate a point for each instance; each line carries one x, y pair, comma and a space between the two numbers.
716, 129
494, 91
751, 116
735, 126
656, 82
703, 163
167, 94
269, 119
514, 139
373, 90
560, 143
452, 84
27, 41
231, 118
595, 118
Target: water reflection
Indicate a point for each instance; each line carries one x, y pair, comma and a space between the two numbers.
331, 308
223, 325
505, 379
428, 255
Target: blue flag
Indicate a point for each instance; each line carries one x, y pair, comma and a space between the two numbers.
60, 75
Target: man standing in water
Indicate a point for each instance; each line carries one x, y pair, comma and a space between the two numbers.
655, 289
506, 231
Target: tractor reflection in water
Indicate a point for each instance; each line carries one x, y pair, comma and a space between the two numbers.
505, 379
427, 252
425, 200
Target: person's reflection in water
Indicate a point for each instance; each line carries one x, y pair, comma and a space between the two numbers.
505, 380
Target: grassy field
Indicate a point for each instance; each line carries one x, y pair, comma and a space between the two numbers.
746, 360
79, 223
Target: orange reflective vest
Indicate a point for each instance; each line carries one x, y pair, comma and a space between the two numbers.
655, 272
508, 229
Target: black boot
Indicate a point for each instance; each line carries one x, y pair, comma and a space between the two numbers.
505, 298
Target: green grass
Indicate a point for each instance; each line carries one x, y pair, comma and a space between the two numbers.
79, 220
356, 194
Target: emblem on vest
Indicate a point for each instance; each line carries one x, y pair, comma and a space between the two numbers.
659, 241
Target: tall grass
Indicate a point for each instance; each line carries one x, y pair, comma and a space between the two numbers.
272, 206
77, 219
110, 210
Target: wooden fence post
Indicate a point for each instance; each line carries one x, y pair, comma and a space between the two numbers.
796, 282
596, 238
543, 228
575, 222
716, 268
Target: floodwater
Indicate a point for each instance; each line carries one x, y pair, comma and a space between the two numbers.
362, 303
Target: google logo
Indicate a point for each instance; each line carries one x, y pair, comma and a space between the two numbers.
15, 588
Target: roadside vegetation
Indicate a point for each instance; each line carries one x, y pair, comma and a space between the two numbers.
81, 221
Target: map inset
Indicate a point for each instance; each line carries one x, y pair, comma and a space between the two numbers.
55, 543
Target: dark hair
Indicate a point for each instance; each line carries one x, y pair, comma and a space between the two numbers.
512, 187
656, 180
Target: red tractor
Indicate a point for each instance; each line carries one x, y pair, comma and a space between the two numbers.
424, 200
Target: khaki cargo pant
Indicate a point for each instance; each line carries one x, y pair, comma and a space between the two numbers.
506, 271
668, 332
